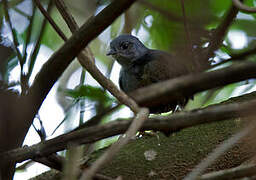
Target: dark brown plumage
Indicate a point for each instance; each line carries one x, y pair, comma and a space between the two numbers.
142, 66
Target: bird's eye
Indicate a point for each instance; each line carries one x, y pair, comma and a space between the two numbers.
124, 46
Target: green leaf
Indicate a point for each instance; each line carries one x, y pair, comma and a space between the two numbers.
91, 93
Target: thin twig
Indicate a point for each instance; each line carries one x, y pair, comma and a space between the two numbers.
244, 8
85, 58
21, 12
221, 149
82, 101
222, 29
73, 26
109, 85
29, 32
237, 57
189, 47
97, 117
115, 148
233, 173
62, 8
53, 161
51, 21
14, 35
87, 63
172, 123
37, 45
24, 166
55, 66
219, 34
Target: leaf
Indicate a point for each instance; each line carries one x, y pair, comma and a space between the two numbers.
91, 93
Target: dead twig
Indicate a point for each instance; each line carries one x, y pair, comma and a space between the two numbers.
221, 149
244, 8
233, 173
220, 32
138, 121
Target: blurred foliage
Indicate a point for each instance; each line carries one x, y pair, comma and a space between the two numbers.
90, 93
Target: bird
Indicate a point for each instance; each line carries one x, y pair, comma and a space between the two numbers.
142, 66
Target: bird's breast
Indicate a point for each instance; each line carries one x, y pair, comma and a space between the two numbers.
133, 78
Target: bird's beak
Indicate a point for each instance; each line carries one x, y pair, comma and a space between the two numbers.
111, 52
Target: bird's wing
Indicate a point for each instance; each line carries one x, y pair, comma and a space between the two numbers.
163, 66
120, 81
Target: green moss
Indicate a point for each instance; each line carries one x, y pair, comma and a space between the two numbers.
177, 154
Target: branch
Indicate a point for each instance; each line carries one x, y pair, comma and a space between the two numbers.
36, 47
66, 15
220, 33
14, 34
87, 63
175, 89
172, 123
217, 152
51, 21
237, 57
186, 28
222, 29
72, 166
115, 148
242, 7
53, 161
60, 60
233, 173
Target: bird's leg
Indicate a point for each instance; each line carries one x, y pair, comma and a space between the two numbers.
178, 108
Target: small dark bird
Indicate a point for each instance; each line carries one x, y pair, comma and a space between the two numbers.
142, 66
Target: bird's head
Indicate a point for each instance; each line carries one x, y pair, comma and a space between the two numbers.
126, 49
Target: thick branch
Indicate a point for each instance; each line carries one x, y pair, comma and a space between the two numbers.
89, 65
220, 32
186, 86
244, 8
59, 61
173, 123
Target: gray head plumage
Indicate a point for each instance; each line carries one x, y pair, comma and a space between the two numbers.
127, 49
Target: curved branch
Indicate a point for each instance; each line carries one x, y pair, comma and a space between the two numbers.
221, 31
171, 123
175, 89
233, 173
244, 8
218, 151
60, 60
